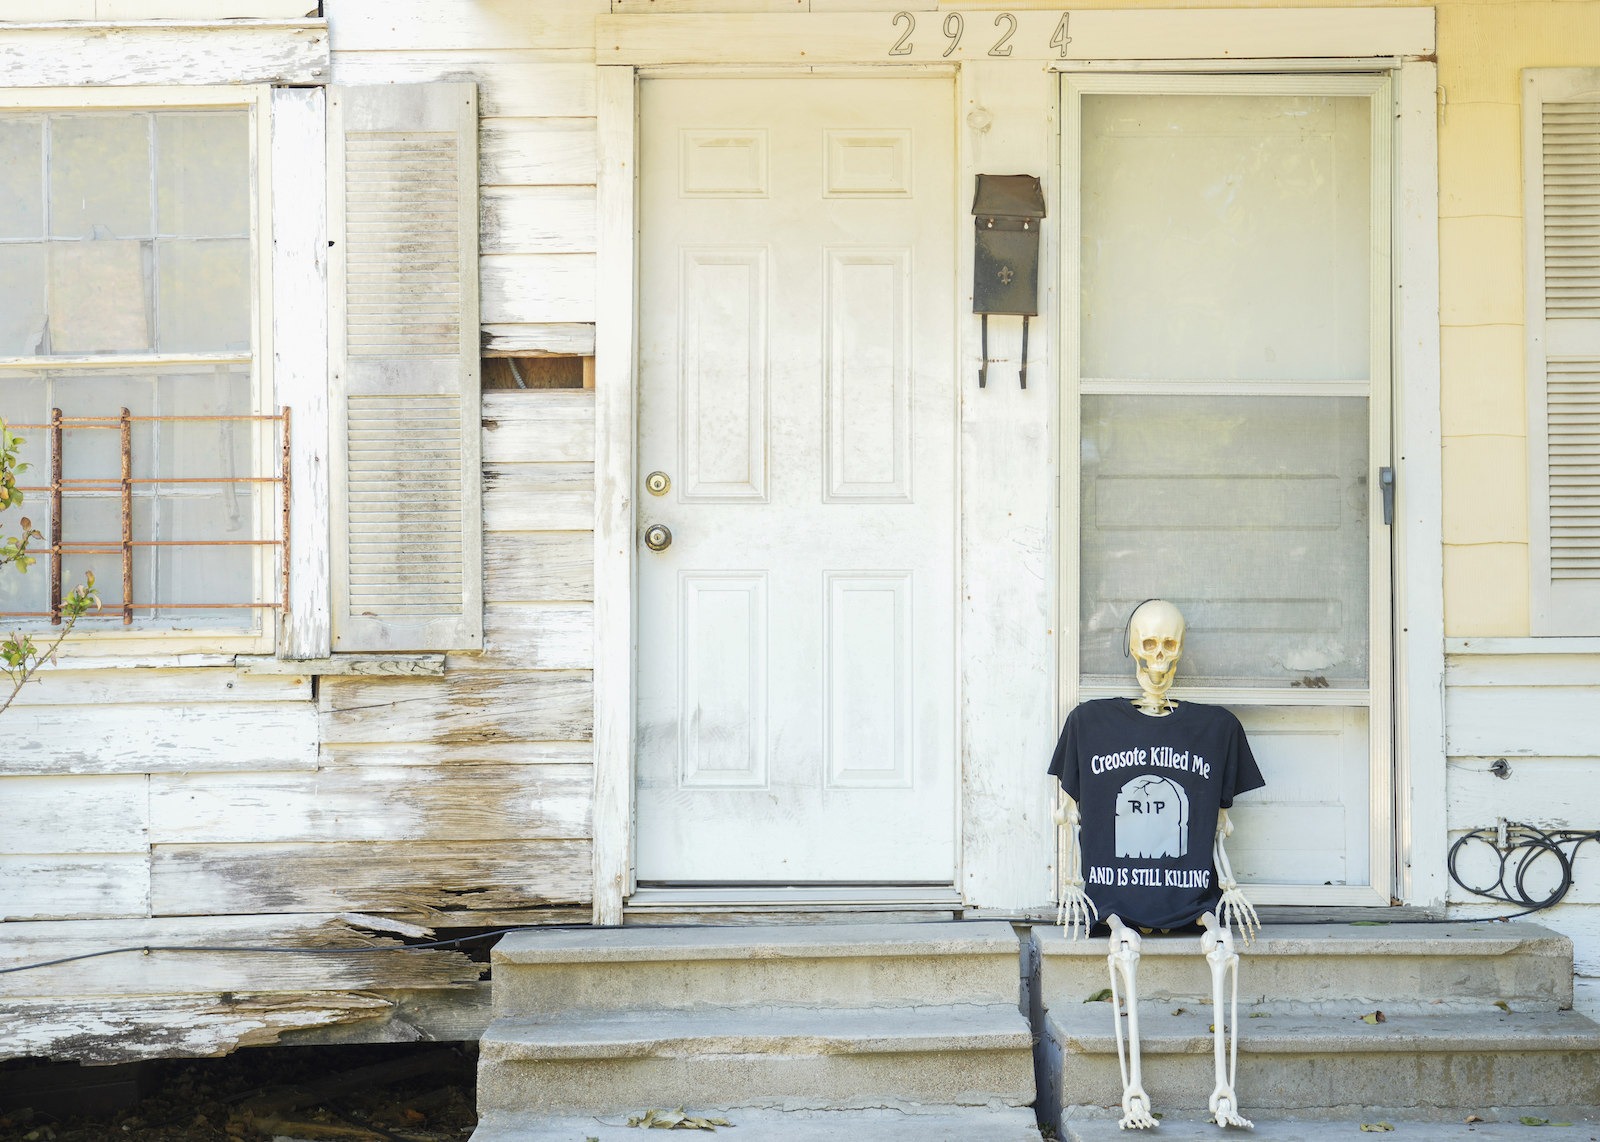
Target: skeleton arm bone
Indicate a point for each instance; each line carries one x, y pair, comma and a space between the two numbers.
1233, 908
1075, 907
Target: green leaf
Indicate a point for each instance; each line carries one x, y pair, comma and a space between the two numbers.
1502, 1005
1530, 1120
1100, 996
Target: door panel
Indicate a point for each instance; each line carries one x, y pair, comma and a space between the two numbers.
796, 717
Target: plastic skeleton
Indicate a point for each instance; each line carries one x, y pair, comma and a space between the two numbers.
1155, 639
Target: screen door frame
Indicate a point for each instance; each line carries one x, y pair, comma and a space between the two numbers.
1379, 390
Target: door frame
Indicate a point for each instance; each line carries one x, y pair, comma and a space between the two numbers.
1006, 841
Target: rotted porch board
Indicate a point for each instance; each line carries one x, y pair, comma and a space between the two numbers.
424, 880
539, 566
159, 973
119, 1030
467, 706
373, 803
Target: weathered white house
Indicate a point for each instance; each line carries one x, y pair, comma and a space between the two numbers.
555, 485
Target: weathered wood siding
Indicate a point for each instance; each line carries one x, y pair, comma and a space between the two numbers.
1539, 712
218, 806
534, 66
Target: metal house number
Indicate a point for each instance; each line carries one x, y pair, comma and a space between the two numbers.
954, 27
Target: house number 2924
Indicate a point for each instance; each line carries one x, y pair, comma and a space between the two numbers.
955, 26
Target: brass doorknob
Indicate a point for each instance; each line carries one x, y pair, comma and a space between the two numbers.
657, 537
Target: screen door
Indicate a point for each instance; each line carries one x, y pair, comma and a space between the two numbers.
1227, 263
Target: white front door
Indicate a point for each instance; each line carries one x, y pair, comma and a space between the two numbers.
796, 719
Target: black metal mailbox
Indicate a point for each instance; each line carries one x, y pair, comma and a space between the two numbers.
1007, 210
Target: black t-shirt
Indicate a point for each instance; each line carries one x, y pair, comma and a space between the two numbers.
1149, 790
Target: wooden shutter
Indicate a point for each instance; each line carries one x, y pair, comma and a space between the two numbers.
403, 214
1561, 169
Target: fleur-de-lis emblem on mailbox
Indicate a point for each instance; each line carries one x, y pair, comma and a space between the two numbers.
1005, 275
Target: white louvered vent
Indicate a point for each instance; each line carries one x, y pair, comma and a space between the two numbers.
402, 211
1572, 396
1572, 209
405, 506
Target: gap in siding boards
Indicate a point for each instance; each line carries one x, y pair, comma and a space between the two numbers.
518, 373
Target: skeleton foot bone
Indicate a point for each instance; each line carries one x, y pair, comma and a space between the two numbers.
1124, 964
1217, 944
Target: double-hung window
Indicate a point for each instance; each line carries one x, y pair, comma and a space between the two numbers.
132, 279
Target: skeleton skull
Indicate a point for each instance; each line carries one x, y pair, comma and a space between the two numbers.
1155, 638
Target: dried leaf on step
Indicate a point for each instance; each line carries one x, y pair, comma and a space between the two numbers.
1502, 1005
1181, 1011
1374, 1017
1261, 1015
1100, 996
1530, 1120
1473, 1118
1376, 1127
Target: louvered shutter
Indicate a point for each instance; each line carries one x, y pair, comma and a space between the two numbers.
407, 522
1561, 168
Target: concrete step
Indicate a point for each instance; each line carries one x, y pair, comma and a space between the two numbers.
1524, 965
1296, 1060
966, 1054
1193, 1128
833, 965
879, 1124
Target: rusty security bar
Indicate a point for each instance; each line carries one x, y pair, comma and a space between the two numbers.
124, 546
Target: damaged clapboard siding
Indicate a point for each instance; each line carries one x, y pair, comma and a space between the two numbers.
104, 55
470, 706
408, 878
139, 1004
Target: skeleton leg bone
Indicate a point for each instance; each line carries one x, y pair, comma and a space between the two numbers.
1124, 963
1217, 944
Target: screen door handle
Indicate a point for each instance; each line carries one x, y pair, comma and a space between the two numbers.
1386, 486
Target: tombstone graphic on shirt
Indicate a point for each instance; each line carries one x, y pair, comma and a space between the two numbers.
1152, 818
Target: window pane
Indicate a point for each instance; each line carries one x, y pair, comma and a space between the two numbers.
22, 290
1226, 236
205, 295
100, 176
1249, 514
21, 178
99, 300
203, 167
180, 508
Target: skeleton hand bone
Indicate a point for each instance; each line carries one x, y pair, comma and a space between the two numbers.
1233, 909
1075, 909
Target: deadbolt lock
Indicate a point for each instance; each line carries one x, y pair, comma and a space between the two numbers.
657, 537
657, 483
